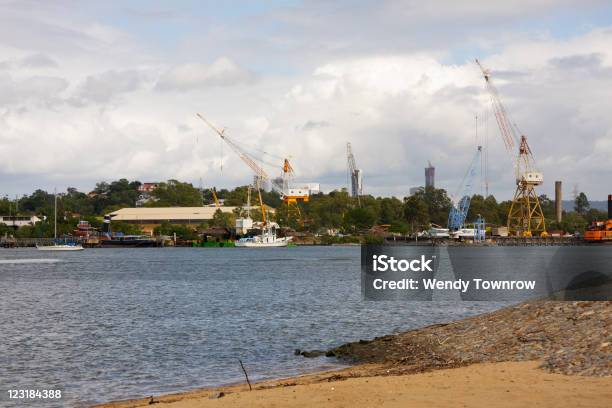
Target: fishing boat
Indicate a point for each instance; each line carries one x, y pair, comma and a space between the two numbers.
57, 246
267, 238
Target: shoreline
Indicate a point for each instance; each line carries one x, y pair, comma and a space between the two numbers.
565, 340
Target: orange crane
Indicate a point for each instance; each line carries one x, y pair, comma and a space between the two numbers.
525, 217
289, 195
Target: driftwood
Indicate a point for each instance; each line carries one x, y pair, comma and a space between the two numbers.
245, 374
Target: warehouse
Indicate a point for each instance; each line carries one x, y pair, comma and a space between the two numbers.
150, 217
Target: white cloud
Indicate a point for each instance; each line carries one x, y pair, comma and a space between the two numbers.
99, 113
102, 88
188, 77
38, 60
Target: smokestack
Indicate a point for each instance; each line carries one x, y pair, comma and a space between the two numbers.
610, 206
558, 201
106, 227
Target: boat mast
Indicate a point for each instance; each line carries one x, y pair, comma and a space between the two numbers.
263, 208
55, 215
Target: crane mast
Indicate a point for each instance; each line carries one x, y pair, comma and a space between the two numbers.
525, 216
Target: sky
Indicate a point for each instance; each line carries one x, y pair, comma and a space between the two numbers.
95, 91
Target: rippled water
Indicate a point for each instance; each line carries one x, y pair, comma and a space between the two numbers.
106, 324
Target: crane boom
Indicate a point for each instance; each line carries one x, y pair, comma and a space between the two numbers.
244, 156
461, 200
525, 215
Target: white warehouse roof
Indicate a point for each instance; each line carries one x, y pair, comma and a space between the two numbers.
161, 214
167, 213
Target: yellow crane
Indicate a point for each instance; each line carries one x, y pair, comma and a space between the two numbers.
525, 217
214, 194
289, 196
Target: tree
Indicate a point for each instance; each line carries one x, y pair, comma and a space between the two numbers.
360, 218
581, 204
173, 193
415, 209
223, 219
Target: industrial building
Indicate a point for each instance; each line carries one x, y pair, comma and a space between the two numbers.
148, 218
19, 220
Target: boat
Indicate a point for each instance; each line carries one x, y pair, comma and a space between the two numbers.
463, 233
127, 241
108, 239
438, 232
56, 246
60, 247
267, 239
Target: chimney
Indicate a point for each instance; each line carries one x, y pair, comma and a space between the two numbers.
106, 226
610, 206
558, 201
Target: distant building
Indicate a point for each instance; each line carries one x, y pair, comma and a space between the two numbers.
147, 187
430, 176
148, 218
19, 220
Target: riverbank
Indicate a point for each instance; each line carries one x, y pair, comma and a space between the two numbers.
548, 353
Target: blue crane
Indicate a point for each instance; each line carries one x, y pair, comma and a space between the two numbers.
461, 200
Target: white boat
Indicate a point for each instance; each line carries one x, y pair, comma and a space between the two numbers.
60, 247
267, 239
464, 233
438, 232
56, 246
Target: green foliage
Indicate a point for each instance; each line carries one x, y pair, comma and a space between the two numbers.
428, 205
182, 232
581, 204
173, 193
360, 218
336, 210
223, 219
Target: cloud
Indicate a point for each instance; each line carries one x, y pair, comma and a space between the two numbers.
38, 61
102, 88
396, 79
313, 124
35, 90
222, 72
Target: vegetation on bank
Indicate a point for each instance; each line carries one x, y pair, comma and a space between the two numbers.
335, 214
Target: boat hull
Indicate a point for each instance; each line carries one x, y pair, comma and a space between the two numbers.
60, 248
251, 244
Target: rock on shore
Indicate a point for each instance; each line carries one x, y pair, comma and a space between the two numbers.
568, 337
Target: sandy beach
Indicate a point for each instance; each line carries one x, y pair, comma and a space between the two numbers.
549, 354
507, 384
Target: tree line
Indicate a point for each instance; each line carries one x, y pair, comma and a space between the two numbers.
332, 212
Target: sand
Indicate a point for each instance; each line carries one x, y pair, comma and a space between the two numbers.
504, 384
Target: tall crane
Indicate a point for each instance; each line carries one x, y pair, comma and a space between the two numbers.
289, 196
355, 176
525, 216
461, 200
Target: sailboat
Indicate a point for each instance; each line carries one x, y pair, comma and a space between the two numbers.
56, 246
267, 238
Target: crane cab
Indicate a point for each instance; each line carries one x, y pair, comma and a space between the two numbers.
533, 177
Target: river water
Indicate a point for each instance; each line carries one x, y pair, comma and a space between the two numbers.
107, 324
